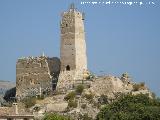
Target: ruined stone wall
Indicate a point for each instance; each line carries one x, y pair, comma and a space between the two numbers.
69, 79
35, 75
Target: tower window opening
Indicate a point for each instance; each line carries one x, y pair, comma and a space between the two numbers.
68, 68
66, 25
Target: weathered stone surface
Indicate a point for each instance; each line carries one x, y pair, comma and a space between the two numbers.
107, 85
57, 107
35, 75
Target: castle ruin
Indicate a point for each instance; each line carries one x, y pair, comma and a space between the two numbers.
35, 75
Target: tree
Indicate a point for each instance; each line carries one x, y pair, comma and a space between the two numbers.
130, 107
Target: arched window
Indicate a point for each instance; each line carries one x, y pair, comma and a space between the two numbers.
68, 68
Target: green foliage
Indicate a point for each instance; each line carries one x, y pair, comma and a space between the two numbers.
53, 116
129, 107
89, 96
70, 96
29, 101
79, 89
139, 86
72, 103
10, 94
84, 117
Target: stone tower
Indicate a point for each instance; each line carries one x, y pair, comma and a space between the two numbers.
73, 47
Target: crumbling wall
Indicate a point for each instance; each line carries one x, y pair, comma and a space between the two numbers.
35, 75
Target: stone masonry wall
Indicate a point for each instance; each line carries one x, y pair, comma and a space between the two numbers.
35, 75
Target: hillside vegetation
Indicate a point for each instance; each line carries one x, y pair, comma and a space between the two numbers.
131, 107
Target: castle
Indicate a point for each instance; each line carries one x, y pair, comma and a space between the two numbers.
37, 75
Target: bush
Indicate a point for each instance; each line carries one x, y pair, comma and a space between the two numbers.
83, 106
72, 103
125, 75
139, 86
130, 107
53, 116
79, 89
89, 96
29, 102
136, 87
70, 96
84, 117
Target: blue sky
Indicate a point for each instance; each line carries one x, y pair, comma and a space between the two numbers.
120, 38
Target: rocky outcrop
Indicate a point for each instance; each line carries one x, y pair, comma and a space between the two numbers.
103, 90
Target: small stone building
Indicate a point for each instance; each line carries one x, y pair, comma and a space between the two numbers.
36, 75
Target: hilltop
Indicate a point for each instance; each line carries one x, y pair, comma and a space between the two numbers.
5, 85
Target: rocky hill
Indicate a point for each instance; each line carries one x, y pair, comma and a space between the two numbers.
5, 85
85, 99
77, 102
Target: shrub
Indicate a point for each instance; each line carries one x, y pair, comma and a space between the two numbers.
125, 75
131, 107
89, 96
142, 84
79, 89
135, 87
83, 106
70, 96
84, 117
29, 102
72, 103
139, 86
53, 116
